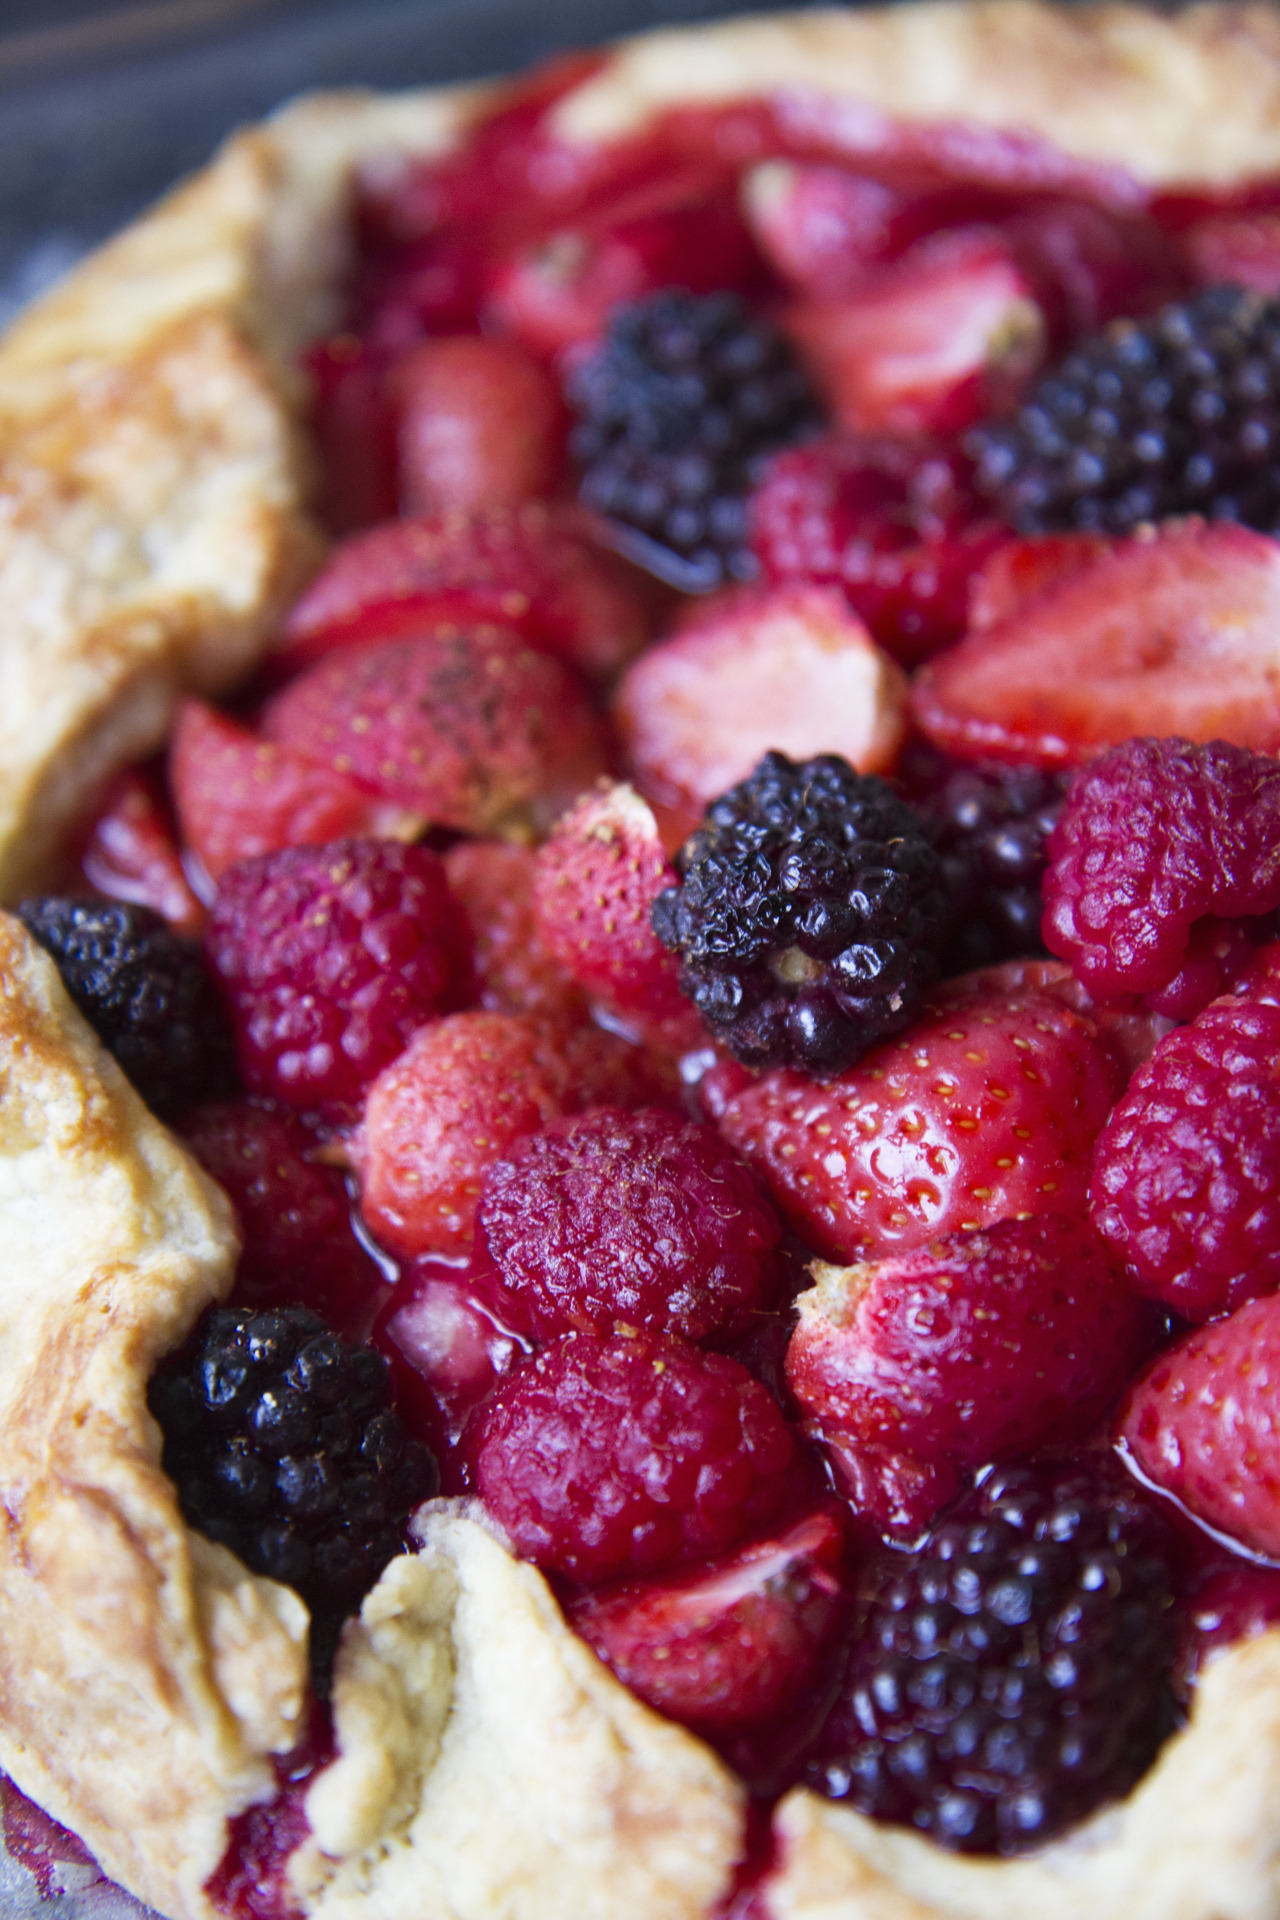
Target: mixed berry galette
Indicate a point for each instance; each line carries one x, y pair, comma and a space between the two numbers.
640, 1014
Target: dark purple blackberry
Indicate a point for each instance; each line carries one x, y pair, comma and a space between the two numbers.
678, 410
1178, 414
143, 991
991, 826
809, 914
1014, 1673
284, 1446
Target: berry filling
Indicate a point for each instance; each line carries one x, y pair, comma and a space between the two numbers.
624, 1025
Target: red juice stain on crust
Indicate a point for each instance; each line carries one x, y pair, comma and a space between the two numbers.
44, 1848
251, 1882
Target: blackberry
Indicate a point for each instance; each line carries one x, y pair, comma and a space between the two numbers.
991, 825
1178, 414
283, 1445
143, 991
678, 409
809, 914
1013, 1673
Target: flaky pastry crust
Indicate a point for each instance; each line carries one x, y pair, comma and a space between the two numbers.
153, 522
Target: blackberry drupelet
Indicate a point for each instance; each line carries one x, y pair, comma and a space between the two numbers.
282, 1442
678, 409
1174, 415
809, 915
1013, 1673
145, 993
991, 825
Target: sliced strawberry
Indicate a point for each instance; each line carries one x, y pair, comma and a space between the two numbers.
939, 338
595, 880
354, 427
734, 1643
1018, 570
463, 727
480, 426
1201, 1425
789, 667
1089, 264
976, 1347
894, 523
516, 971
1243, 248
238, 795
823, 229
1173, 634
985, 1110
448, 1329
131, 852
536, 568
560, 293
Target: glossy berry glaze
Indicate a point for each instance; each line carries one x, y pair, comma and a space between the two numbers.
482, 1123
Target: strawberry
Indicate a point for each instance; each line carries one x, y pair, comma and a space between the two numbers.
974, 1347
131, 853
1172, 633
559, 294
1243, 248
947, 333
480, 425
595, 880
985, 1109
892, 522
733, 1643
1201, 1425
1089, 264
536, 568
354, 428
1018, 570
789, 667
464, 727
237, 795
823, 229
494, 883
446, 1327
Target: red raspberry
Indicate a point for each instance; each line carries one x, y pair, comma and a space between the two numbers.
1153, 837
1233, 1602
481, 425
1201, 1424
295, 1214
985, 1109
467, 727
973, 1348
595, 881
494, 882
1186, 1176
536, 568
892, 522
238, 796
330, 959
131, 853
734, 1643
439, 1116
614, 1221
608, 1457
789, 667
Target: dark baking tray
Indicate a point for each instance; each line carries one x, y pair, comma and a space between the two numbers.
103, 107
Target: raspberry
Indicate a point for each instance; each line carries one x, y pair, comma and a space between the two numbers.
894, 523
330, 959
494, 884
466, 727
678, 406
808, 915
734, 1643
144, 992
283, 1446
595, 880
295, 1214
622, 1220
609, 1457
991, 825
1172, 416
1013, 1673
1154, 836
1186, 1174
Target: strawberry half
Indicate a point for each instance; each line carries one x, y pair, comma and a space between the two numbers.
131, 852
480, 426
1176, 633
985, 1110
